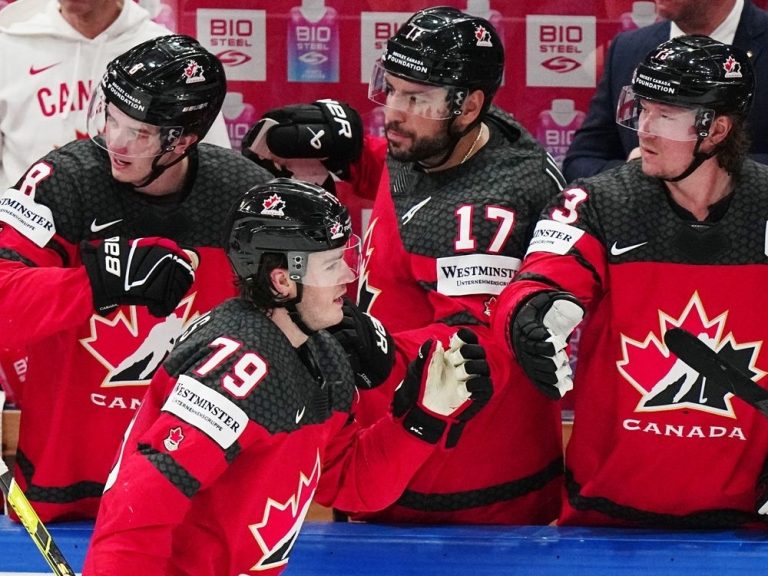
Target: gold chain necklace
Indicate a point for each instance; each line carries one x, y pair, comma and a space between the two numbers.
472, 148
466, 156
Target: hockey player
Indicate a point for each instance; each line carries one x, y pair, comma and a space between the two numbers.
252, 414
54, 54
94, 280
463, 187
676, 238
321, 143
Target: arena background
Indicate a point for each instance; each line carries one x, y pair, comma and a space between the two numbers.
278, 52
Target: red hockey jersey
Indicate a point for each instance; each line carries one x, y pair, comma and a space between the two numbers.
87, 373
438, 249
234, 439
653, 442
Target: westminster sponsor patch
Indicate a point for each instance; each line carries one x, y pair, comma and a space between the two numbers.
207, 410
475, 274
555, 237
29, 218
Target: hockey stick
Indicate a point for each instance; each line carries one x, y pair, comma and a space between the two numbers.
715, 368
36, 529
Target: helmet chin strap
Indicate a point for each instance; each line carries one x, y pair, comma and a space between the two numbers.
698, 159
158, 169
453, 141
295, 315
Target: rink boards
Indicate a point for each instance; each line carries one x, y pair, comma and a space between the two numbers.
342, 549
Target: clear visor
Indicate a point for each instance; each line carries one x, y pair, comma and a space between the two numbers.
115, 131
334, 267
419, 99
662, 120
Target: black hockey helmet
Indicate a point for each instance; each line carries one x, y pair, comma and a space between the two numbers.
444, 46
288, 217
168, 81
697, 71
701, 76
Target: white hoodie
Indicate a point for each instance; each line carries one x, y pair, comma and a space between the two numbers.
47, 70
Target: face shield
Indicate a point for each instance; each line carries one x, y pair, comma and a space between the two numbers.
117, 132
662, 120
420, 99
332, 267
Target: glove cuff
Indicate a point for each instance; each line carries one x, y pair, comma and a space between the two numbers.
425, 426
101, 288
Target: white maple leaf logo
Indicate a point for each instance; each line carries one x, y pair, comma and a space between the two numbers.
279, 527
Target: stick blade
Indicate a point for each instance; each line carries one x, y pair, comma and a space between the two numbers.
715, 368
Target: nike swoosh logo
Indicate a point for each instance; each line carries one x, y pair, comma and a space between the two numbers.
412, 212
33, 70
616, 251
300, 414
99, 227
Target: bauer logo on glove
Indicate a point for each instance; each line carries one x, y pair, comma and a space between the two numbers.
326, 130
152, 272
368, 345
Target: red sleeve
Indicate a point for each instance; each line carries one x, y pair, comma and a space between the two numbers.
43, 298
368, 469
140, 507
366, 172
582, 269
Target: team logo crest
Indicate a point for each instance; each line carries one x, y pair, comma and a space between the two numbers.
278, 529
488, 306
132, 343
483, 36
667, 383
193, 72
273, 206
732, 68
336, 230
174, 438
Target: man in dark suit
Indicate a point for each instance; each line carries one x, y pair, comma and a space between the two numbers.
601, 144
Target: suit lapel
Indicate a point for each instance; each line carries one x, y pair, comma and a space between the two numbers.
751, 29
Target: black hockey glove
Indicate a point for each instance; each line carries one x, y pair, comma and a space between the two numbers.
443, 389
368, 345
153, 272
326, 129
540, 330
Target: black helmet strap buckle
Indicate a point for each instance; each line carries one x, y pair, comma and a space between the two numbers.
293, 311
297, 265
158, 170
704, 119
